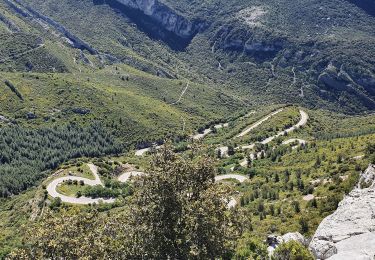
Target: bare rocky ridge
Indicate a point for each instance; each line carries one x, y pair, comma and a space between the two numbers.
28, 12
349, 233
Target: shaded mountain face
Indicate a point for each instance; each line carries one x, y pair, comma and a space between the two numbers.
158, 21
319, 54
367, 5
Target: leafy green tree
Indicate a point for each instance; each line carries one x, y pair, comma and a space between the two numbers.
218, 154
277, 178
329, 204
231, 150
313, 203
272, 210
249, 161
304, 225
261, 206
318, 161
296, 206
72, 235
339, 158
179, 212
56, 202
286, 176
370, 152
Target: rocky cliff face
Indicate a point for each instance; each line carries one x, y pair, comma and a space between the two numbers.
349, 233
165, 16
243, 40
337, 79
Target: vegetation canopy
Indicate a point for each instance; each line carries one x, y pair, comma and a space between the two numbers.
177, 212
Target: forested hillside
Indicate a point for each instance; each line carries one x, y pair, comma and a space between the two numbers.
267, 51
27, 155
295, 53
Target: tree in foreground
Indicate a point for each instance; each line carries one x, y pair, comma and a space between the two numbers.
71, 235
177, 212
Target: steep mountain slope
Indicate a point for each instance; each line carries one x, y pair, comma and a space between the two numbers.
40, 44
298, 52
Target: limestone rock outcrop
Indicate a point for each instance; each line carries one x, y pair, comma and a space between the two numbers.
165, 16
349, 233
243, 40
296, 236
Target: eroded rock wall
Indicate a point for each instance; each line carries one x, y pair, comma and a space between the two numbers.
168, 18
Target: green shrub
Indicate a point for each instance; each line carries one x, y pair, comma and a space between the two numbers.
292, 250
249, 247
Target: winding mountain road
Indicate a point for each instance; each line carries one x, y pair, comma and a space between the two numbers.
294, 140
255, 125
19, 55
208, 130
127, 175
181, 95
302, 122
51, 188
141, 152
240, 178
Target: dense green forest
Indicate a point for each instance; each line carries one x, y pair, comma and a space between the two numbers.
25, 154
